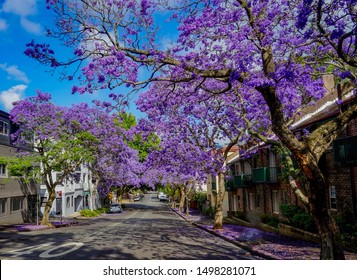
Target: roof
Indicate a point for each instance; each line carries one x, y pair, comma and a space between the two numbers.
327, 107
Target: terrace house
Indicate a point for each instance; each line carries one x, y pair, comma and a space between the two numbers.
212, 184
255, 187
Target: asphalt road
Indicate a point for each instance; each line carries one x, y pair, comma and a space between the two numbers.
146, 230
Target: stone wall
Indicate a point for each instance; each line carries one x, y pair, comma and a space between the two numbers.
298, 233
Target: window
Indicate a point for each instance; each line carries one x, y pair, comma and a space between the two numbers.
333, 204
255, 162
235, 203
236, 169
17, 203
231, 170
3, 172
257, 201
3, 202
68, 202
241, 167
251, 201
275, 201
4, 128
27, 137
285, 197
239, 204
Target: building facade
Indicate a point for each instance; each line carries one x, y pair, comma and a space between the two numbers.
212, 184
256, 187
18, 199
253, 185
76, 193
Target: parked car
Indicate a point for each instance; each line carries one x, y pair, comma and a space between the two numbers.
137, 198
162, 196
115, 208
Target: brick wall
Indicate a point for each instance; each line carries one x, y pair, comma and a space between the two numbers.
352, 128
340, 177
352, 131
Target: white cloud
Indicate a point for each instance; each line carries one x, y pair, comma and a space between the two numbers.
15, 93
166, 43
3, 25
14, 73
20, 7
24, 9
30, 26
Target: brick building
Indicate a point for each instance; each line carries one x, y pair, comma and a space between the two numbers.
254, 189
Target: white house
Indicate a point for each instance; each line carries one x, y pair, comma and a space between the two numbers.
76, 193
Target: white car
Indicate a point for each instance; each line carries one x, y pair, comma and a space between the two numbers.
115, 208
162, 196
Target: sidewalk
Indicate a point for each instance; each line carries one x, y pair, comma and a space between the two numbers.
264, 244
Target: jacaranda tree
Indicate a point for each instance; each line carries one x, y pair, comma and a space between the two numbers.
271, 52
201, 120
57, 145
66, 137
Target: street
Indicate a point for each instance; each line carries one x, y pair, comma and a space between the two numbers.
146, 230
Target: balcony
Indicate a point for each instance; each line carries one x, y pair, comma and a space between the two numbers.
243, 180
230, 186
265, 174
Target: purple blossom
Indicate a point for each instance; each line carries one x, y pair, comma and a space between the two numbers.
346, 74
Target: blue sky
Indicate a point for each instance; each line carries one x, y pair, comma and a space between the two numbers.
20, 22
20, 77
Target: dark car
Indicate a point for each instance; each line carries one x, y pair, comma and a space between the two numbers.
115, 208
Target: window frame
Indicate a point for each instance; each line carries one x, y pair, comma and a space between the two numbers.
275, 203
252, 199
21, 204
3, 171
4, 128
3, 206
332, 196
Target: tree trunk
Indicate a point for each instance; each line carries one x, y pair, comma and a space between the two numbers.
218, 217
182, 199
307, 157
331, 241
186, 201
46, 213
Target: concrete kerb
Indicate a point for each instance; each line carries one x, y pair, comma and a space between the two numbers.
236, 243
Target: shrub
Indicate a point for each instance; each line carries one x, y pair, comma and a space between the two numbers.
200, 198
100, 211
297, 217
289, 211
210, 211
240, 215
93, 213
87, 213
303, 221
270, 220
347, 226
